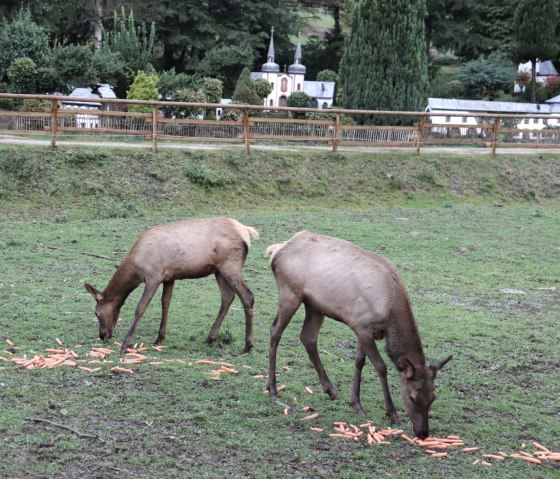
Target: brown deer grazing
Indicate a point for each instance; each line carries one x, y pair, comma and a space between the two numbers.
335, 278
186, 249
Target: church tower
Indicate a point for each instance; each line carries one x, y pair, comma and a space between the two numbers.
297, 70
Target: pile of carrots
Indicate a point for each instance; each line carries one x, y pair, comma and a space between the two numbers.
55, 357
434, 446
225, 368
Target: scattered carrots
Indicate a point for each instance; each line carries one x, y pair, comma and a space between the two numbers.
308, 390
311, 416
9, 342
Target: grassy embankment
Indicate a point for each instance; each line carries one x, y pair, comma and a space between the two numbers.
172, 420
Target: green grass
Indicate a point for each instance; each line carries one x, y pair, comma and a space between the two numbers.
172, 420
499, 392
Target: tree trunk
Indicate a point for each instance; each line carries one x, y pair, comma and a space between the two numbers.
533, 81
97, 25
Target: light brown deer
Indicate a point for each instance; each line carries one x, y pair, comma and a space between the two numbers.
183, 250
338, 279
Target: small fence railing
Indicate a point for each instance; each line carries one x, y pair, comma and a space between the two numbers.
259, 124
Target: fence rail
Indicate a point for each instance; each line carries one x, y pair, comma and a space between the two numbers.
261, 124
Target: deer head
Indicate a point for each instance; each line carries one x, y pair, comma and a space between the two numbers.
418, 392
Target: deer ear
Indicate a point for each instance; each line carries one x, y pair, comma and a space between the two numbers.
440, 364
97, 295
406, 368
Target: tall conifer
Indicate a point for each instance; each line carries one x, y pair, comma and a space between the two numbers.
384, 65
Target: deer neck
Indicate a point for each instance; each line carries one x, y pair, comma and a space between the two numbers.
123, 282
403, 340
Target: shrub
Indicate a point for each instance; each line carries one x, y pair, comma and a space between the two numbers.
22, 75
144, 87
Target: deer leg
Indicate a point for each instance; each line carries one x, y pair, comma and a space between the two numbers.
247, 299
165, 300
228, 295
309, 334
288, 304
367, 343
147, 295
355, 401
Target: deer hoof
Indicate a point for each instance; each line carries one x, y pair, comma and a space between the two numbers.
393, 418
357, 407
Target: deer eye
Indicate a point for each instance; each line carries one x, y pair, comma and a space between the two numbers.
412, 399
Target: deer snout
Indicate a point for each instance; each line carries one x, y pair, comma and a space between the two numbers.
104, 334
421, 434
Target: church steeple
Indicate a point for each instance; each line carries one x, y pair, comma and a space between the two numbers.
297, 67
270, 66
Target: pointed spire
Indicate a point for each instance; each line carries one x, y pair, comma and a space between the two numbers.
270, 66
298, 56
270, 55
297, 68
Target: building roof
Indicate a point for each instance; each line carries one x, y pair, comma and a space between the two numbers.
545, 68
104, 90
319, 89
447, 104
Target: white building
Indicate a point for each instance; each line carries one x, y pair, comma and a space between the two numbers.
89, 119
285, 83
464, 112
543, 71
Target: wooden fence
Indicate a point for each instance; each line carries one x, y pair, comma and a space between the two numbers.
107, 119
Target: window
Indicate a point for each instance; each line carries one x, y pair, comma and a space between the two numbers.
447, 119
271, 102
284, 85
464, 119
545, 121
299, 87
272, 85
526, 121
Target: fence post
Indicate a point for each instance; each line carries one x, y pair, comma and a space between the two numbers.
154, 128
246, 131
495, 133
420, 138
336, 133
54, 122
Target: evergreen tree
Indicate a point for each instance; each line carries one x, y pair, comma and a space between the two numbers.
535, 34
144, 87
245, 90
384, 65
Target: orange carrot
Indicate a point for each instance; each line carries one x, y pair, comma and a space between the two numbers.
281, 388
540, 446
406, 438
311, 416
2, 358
306, 408
440, 454
9, 342
308, 390
484, 463
316, 429
155, 363
453, 437
58, 341
471, 449
533, 460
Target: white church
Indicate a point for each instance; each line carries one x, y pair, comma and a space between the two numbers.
284, 84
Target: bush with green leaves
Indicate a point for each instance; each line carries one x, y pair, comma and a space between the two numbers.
299, 99
73, 65
144, 87
22, 75
262, 87
188, 95
22, 37
170, 82
487, 76
327, 75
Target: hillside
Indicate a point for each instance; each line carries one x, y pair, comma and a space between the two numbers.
76, 182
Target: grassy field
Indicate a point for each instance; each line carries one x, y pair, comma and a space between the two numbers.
481, 268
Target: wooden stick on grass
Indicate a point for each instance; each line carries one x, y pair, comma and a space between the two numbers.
63, 426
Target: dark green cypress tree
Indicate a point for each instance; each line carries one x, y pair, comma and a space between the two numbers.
245, 90
535, 34
384, 65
